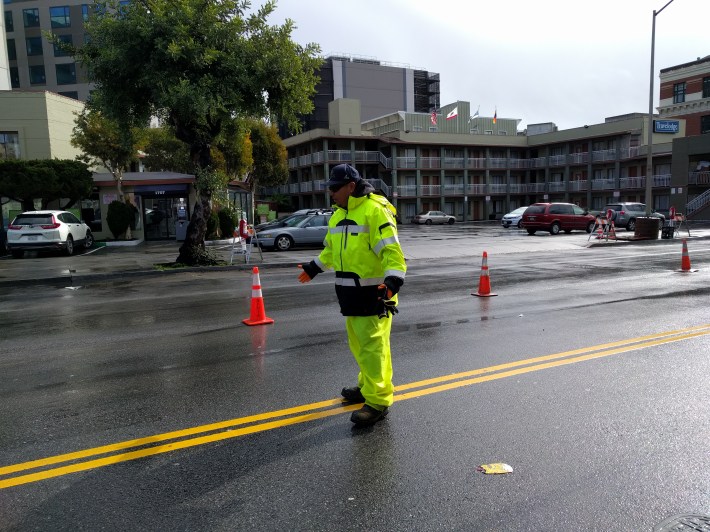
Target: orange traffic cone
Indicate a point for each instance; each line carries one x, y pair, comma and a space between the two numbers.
484, 283
685, 261
258, 313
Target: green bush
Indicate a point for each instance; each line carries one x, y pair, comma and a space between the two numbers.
119, 218
226, 223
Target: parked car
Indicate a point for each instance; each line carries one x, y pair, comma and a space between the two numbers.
434, 217
556, 217
624, 214
302, 230
47, 230
292, 219
513, 218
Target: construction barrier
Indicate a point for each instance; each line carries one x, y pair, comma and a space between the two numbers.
258, 312
604, 229
484, 282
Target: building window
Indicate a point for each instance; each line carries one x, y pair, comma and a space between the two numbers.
34, 45
15, 77
59, 17
679, 92
70, 94
9, 25
31, 18
37, 76
705, 124
58, 52
11, 50
706, 87
9, 145
66, 73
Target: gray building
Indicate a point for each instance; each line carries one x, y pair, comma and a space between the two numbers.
381, 87
34, 62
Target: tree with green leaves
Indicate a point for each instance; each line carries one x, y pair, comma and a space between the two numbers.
197, 65
105, 142
165, 152
45, 179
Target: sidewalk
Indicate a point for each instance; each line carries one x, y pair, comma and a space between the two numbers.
143, 259
419, 243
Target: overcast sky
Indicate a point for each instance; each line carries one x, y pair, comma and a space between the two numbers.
571, 62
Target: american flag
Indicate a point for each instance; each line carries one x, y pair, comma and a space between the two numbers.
433, 117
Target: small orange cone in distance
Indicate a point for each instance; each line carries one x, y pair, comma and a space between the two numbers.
685, 260
484, 283
258, 313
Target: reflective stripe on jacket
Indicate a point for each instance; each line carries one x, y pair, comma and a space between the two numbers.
362, 247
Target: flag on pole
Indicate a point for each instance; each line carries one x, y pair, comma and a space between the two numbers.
475, 115
453, 113
495, 116
433, 117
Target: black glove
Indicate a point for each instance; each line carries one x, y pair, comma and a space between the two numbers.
386, 307
394, 284
311, 269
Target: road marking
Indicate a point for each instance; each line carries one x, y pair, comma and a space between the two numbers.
155, 445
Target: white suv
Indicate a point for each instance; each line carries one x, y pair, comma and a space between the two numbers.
47, 230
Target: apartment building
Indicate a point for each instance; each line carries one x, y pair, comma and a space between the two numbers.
480, 168
685, 93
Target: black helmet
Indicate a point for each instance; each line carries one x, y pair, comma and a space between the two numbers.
341, 174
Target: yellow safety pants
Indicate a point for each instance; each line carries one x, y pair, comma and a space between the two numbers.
369, 340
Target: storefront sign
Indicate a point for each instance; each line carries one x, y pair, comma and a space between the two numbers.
666, 126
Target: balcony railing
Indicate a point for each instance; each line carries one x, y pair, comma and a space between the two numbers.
430, 162
385, 161
380, 185
318, 157
407, 191
534, 187
578, 158
557, 160
603, 155
603, 184
340, 156
699, 178
538, 162
476, 189
555, 186
632, 182
476, 163
519, 163
497, 188
454, 189
497, 162
628, 153
430, 190
367, 156
698, 202
453, 162
578, 185
406, 162
662, 180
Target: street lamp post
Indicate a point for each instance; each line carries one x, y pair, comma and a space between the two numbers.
649, 148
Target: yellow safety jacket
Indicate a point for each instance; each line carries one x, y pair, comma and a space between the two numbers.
362, 247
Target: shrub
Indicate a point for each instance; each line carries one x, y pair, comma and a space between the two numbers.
119, 218
226, 223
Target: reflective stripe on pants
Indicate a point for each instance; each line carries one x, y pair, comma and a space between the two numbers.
369, 340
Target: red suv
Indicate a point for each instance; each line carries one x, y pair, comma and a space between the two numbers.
556, 217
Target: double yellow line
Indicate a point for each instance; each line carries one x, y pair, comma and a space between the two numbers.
17, 474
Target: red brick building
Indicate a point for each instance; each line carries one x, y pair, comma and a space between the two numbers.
685, 93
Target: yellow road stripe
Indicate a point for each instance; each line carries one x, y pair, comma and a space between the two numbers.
550, 362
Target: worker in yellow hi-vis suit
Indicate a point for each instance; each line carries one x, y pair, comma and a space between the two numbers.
363, 249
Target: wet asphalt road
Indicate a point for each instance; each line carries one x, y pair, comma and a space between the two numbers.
599, 437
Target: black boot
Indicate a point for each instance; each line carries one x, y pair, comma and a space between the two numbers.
352, 395
367, 415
